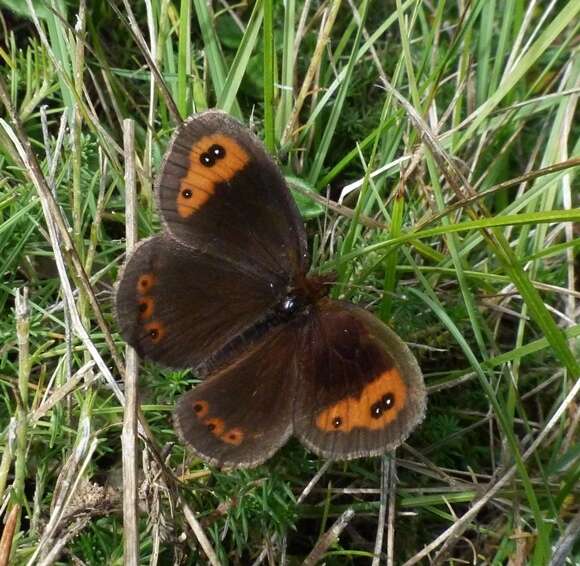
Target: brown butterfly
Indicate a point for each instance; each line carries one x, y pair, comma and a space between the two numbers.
224, 290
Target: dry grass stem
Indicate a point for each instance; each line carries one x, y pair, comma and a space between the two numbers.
381, 518
8, 533
313, 68
129, 436
328, 538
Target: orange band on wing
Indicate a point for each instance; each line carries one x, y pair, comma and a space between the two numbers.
378, 405
207, 169
217, 426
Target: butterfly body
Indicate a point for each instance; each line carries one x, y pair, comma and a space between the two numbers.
225, 290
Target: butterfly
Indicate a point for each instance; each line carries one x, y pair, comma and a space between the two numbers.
225, 290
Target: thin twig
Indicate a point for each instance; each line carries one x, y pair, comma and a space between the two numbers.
62, 392
66, 486
328, 538
8, 535
385, 472
464, 202
47, 202
338, 208
310, 486
566, 542
323, 39
142, 44
392, 478
18, 495
199, 533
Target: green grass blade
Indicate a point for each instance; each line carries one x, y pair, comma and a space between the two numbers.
269, 77
227, 99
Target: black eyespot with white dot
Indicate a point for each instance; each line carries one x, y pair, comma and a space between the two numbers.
385, 403
217, 151
207, 159
388, 400
154, 334
186, 193
376, 410
336, 422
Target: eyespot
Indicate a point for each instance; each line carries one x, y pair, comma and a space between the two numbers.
336, 422
201, 408
145, 308
207, 160
215, 426
233, 436
377, 410
388, 400
217, 151
204, 173
145, 282
155, 331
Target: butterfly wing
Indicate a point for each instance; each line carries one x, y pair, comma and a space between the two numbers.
220, 191
179, 306
242, 413
361, 390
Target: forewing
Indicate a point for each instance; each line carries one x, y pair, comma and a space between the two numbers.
179, 306
219, 191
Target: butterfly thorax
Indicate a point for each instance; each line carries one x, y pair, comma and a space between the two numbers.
305, 292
